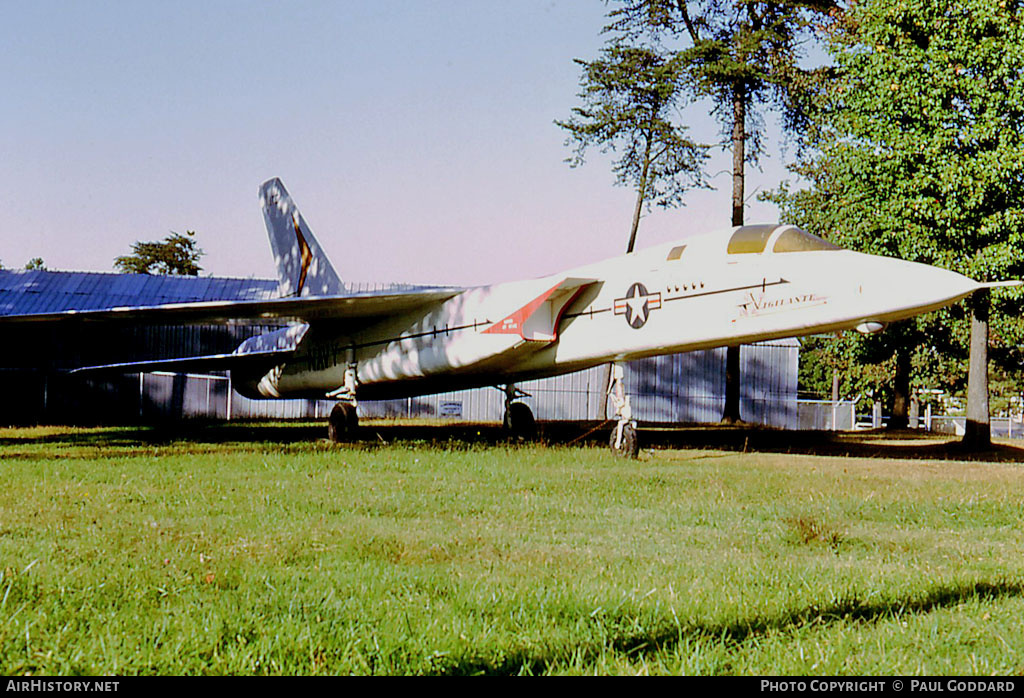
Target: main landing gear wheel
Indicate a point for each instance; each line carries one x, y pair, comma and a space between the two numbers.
519, 421
343, 423
627, 445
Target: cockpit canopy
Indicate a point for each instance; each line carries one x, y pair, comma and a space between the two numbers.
755, 239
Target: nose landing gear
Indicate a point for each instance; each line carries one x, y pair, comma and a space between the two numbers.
623, 441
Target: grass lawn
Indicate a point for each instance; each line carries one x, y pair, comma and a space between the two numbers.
257, 550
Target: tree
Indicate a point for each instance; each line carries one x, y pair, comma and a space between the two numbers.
744, 56
177, 254
918, 152
36, 263
628, 97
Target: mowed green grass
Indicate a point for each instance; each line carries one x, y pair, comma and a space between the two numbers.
123, 553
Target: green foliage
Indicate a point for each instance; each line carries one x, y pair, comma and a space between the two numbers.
917, 151
1005, 392
814, 375
820, 356
177, 254
36, 263
859, 372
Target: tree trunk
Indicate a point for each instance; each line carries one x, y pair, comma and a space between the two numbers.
898, 419
731, 413
978, 431
641, 193
739, 119
636, 219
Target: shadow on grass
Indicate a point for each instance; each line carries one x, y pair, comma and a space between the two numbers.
168, 432
879, 443
668, 635
140, 440
746, 438
212, 433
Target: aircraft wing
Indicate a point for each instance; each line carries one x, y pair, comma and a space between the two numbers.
197, 364
359, 305
262, 350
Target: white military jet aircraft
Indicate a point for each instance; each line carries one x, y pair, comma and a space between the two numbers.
737, 286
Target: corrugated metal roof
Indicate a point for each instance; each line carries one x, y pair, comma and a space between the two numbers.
36, 291
25, 292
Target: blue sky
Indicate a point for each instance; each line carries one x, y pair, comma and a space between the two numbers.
417, 137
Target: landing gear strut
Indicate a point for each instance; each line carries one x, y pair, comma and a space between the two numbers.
519, 421
343, 422
623, 441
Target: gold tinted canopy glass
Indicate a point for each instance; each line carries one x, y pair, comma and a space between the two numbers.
796, 240
754, 239
750, 239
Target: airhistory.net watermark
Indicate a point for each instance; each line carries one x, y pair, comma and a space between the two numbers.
51, 685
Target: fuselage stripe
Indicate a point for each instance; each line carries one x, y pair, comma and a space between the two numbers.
688, 296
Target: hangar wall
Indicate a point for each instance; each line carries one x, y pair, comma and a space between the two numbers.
666, 389
669, 389
680, 388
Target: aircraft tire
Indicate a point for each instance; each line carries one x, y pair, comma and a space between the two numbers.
342, 424
519, 421
630, 445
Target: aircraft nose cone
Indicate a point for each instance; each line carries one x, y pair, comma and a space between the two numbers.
933, 284
910, 288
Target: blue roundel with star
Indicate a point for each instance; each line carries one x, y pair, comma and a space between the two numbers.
637, 305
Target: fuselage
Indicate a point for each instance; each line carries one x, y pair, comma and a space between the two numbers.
738, 286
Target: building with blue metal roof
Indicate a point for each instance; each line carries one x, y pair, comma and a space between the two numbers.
33, 358
24, 292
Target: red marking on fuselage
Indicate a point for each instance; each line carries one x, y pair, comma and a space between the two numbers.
513, 324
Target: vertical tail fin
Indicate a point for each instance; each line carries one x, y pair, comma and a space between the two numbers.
302, 267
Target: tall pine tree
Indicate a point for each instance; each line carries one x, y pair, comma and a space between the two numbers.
630, 95
744, 56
